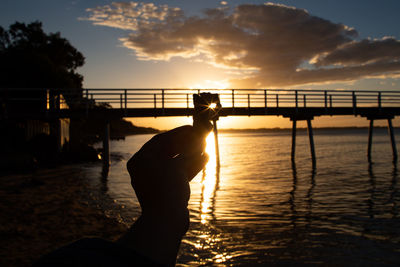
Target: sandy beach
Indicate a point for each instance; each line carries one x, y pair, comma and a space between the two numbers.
44, 210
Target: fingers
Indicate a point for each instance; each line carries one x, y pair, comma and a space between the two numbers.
181, 140
202, 127
197, 165
192, 164
167, 144
184, 144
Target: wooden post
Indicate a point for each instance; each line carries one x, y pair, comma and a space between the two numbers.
233, 98
55, 131
293, 140
162, 98
265, 99
216, 142
311, 137
162, 101
126, 99
155, 105
87, 103
391, 133
277, 101
106, 146
370, 133
379, 101
233, 101
58, 100
248, 104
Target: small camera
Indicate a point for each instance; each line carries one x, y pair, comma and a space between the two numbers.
206, 109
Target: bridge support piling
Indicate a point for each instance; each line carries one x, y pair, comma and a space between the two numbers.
370, 133
312, 148
216, 143
293, 140
106, 147
392, 139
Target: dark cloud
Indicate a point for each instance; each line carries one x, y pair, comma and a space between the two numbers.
279, 45
363, 52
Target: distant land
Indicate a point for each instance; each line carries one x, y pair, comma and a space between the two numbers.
277, 129
121, 128
143, 130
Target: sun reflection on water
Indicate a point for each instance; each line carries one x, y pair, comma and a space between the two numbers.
207, 238
209, 183
264, 210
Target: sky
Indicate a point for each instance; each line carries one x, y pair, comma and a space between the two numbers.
227, 44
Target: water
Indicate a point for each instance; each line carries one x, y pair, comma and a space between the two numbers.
260, 209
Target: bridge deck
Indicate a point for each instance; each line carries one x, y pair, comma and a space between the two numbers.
292, 113
295, 104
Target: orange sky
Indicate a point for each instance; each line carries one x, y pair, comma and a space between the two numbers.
243, 45
243, 122
310, 44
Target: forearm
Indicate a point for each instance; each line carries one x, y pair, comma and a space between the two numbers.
158, 239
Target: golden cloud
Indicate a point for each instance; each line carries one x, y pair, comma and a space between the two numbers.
277, 44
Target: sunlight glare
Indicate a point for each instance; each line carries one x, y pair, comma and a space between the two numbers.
208, 84
212, 105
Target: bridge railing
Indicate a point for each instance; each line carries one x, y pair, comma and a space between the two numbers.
249, 98
182, 98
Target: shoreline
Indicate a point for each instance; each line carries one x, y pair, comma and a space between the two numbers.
46, 209
277, 129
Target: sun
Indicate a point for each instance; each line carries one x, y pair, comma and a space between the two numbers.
212, 105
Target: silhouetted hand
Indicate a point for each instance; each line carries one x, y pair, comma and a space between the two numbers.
160, 174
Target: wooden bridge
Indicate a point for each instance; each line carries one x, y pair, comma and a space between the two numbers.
294, 104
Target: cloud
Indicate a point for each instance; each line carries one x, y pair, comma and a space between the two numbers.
272, 44
127, 16
363, 52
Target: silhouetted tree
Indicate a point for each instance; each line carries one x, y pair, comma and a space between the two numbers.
30, 58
